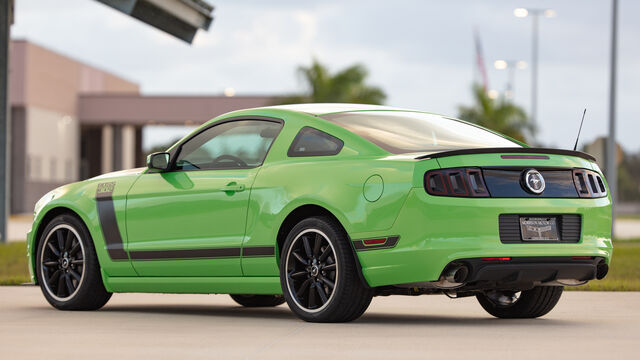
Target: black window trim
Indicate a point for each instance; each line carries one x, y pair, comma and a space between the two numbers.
335, 140
173, 153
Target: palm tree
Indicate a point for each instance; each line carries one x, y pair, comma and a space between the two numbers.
499, 115
345, 86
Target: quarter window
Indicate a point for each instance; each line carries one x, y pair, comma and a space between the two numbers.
313, 142
232, 145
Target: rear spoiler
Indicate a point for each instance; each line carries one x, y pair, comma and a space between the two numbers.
508, 150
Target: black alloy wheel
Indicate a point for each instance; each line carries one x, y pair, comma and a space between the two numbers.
67, 267
62, 260
311, 270
319, 275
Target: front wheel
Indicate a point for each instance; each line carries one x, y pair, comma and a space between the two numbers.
318, 273
67, 266
520, 305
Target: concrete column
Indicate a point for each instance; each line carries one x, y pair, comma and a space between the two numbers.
117, 148
107, 149
128, 153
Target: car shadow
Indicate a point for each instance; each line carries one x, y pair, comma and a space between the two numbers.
280, 312
436, 320
370, 318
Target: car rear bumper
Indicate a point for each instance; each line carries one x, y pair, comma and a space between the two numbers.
509, 272
436, 231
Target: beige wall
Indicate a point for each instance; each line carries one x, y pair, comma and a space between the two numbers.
40, 77
52, 146
96, 109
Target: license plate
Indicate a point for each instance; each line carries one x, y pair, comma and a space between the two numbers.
539, 228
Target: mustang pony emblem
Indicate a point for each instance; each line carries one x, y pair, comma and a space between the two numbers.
534, 182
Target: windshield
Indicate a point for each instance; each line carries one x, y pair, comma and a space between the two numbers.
401, 132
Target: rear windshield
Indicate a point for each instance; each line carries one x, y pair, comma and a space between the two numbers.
401, 132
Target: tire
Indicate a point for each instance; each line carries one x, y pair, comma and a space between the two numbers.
531, 303
258, 300
318, 273
67, 267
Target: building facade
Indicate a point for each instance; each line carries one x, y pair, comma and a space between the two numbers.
71, 121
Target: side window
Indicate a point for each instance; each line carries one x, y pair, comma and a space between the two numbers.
312, 142
232, 145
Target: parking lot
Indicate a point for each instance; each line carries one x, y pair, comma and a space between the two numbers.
583, 325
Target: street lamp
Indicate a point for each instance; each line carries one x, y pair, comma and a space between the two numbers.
510, 66
535, 14
229, 92
611, 165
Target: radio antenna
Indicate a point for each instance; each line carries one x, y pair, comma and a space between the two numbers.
579, 130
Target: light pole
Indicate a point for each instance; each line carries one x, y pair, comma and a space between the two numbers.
510, 66
611, 153
535, 15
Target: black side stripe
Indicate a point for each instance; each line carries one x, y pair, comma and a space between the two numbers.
186, 254
108, 223
391, 242
256, 251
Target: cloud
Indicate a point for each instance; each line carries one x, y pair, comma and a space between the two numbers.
420, 52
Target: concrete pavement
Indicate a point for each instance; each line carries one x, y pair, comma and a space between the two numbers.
587, 325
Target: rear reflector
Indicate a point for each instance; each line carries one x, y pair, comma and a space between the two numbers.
374, 241
496, 259
582, 257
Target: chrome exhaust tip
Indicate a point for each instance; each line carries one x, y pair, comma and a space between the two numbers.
453, 277
457, 274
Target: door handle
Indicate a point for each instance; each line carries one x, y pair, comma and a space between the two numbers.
232, 187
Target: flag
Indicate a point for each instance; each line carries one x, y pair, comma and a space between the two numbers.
481, 69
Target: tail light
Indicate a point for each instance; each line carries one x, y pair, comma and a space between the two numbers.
588, 183
460, 182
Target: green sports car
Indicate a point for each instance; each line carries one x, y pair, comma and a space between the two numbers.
325, 206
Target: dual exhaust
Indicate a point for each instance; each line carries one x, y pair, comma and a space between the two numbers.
457, 275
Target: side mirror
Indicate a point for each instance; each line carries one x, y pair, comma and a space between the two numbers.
158, 161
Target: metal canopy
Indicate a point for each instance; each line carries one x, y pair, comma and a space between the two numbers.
180, 18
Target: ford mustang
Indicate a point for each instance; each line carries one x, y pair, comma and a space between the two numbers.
324, 206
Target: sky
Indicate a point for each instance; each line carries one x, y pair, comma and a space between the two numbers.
420, 52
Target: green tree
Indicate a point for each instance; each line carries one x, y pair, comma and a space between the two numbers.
500, 115
345, 86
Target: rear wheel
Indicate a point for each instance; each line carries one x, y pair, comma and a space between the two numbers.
258, 300
67, 266
318, 273
524, 304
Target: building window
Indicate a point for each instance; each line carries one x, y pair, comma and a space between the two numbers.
53, 169
35, 168
68, 170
